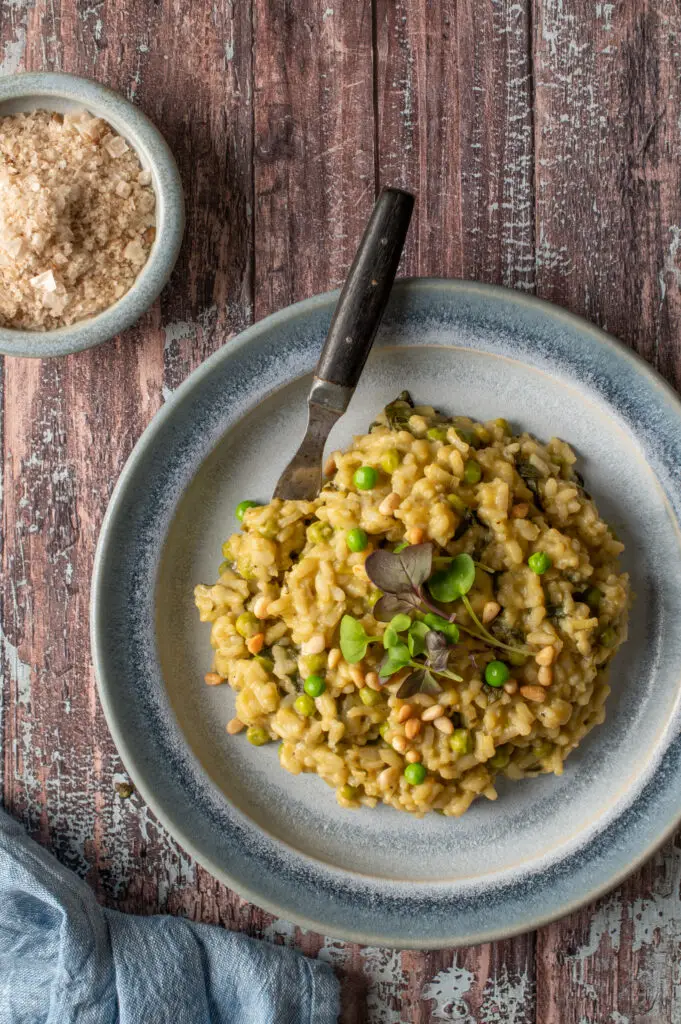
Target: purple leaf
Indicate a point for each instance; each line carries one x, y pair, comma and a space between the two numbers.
390, 605
396, 573
411, 685
430, 684
438, 650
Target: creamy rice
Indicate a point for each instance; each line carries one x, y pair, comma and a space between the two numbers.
288, 579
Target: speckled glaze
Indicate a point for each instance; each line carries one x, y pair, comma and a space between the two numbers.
60, 92
381, 877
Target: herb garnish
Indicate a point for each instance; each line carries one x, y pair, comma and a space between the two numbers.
419, 633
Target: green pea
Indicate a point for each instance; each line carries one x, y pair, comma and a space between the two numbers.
472, 472
383, 728
269, 530
365, 478
542, 749
245, 569
500, 758
458, 504
469, 436
227, 551
258, 736
318, 532
415, 774
247, 625
516, 658
223, 567
503, 425
593, 598
314, 662
461, 741
437, 434
608, 637
243, 507
374, 596
349, 792
356, 539
314, 686
305, 705
370, 697
539, 562
497, 673
390, 460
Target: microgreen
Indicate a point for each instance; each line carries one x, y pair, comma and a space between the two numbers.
416, 639
454, 581
354, 639
397, 657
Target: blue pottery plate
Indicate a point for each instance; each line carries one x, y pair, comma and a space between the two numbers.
379, 876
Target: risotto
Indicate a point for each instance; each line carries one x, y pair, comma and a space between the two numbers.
442, 614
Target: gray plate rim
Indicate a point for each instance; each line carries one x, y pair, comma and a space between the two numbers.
106, 686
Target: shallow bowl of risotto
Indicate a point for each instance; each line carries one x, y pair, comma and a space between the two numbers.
438, 704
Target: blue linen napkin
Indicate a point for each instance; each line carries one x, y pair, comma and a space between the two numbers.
66, 960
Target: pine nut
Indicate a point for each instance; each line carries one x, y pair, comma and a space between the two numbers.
444, 725
511, 686
415, 535
334, 657
520, 511
490, 611
357, 675
431, 713
545, 676
234, 726
400, 744
315, 645
260, 606
388, 777
535, 693
412, 728
330, 466
389, 504
545, 656
412, 756
372, 681
405, 712
212, 678
256, 643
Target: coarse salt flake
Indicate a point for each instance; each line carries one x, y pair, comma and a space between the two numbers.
116, 146
45, 281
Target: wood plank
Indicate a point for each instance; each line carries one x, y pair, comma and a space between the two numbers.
314, 145
608, 103
455, 126
191, 71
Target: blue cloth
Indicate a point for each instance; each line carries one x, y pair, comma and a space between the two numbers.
66, 960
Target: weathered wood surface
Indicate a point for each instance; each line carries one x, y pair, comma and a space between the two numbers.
544, 140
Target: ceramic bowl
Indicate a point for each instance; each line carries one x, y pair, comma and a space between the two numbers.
62, 93
380, 876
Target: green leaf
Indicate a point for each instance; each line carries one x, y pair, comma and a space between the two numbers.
416, 640
396, 658
400, 623
453, 582
390, 638
354, 639
436, 622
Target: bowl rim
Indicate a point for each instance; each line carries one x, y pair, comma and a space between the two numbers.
154, 153
98, 596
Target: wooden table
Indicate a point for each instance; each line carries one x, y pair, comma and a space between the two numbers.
543, 138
